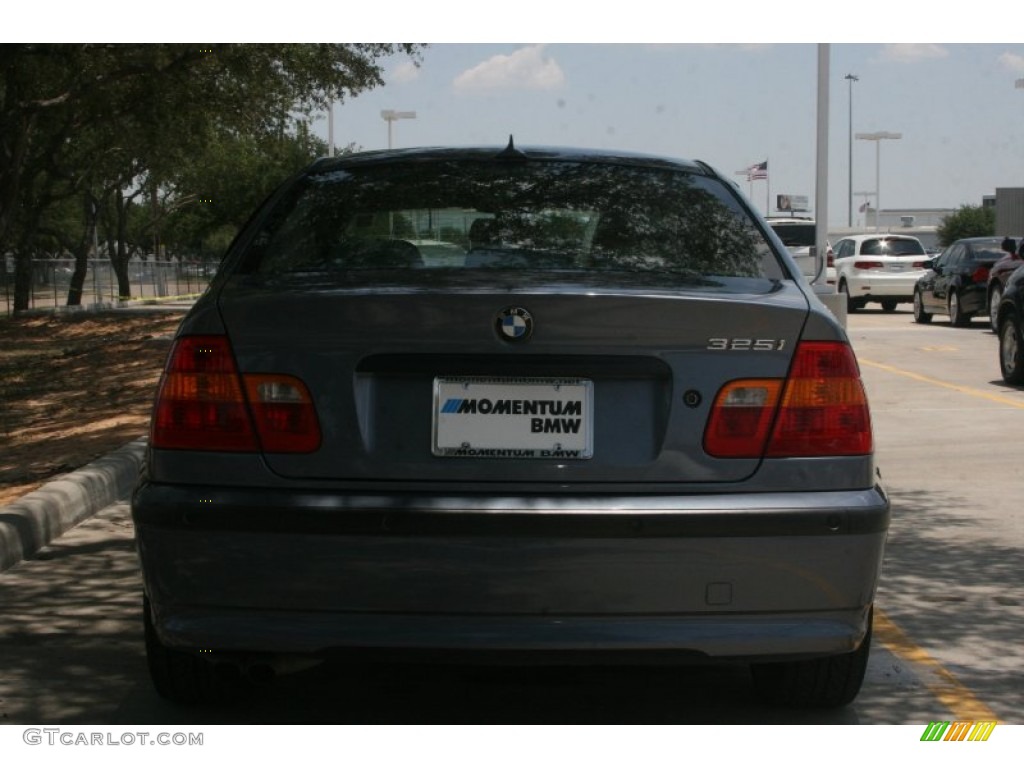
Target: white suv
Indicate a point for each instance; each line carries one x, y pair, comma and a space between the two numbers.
798, 235
881, 267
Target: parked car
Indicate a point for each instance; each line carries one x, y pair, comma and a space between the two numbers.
622, 424
1010, 328
798, 235
997, 277
879, 267
956, 283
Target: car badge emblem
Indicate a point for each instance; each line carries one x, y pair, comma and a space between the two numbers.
514, 324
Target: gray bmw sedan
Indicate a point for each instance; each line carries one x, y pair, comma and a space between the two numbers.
545, 402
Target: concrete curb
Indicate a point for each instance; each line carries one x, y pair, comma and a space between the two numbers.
34, 520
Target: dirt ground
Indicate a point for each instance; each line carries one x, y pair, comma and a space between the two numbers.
74, 387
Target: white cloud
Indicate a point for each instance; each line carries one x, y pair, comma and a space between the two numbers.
527, 68
1012, 61
910, 52
405, 72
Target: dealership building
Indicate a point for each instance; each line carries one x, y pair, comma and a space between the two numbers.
1009, 205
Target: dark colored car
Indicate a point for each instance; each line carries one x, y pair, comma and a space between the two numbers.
1010, 328
617, 421
997, 278
956, 283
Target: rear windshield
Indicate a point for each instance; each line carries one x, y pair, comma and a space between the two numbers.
796, 235
891, 246
547, 216
988, 253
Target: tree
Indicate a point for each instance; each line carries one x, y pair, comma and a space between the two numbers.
216, 193
144, 110
967, 221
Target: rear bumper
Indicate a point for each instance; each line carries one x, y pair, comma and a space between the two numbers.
899, 287
974, 299
709, 576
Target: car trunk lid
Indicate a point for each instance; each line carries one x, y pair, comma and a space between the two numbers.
607, 385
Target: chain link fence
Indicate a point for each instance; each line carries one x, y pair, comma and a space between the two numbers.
150, 281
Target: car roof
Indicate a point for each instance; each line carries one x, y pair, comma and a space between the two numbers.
879, 236
524, 153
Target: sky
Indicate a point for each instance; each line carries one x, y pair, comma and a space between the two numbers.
955, 105
670, 90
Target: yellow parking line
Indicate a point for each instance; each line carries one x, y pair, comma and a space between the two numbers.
953, 694
939, 383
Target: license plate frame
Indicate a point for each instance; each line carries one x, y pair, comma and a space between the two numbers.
497, 418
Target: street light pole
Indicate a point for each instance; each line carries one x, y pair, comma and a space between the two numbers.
878, 137
390, 115
330, 129
851, 78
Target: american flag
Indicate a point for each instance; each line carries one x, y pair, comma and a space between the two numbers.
757, 171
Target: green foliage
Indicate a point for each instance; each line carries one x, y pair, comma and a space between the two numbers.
401, 226
215, 193
126, 137
967, 221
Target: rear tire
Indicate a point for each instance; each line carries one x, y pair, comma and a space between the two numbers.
182, 677
833, 681
995, 295
920, 316
1011, 351
888, 305
957, 316
852, 305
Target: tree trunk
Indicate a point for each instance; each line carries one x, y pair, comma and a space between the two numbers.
22, 280
80, 273
120, 259
81, 252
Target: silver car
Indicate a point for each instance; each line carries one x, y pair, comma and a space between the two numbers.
613, 420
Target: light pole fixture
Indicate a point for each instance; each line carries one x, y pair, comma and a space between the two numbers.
390, 115
878, 137
851, 78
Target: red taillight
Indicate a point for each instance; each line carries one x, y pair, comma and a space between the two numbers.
822, 410
741, 418
919, 265
201, 404
980, 275
868, 265
830, 259
285, 417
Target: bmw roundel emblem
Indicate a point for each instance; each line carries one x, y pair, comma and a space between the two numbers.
514, 324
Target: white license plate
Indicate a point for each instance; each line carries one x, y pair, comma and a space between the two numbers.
514, 418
